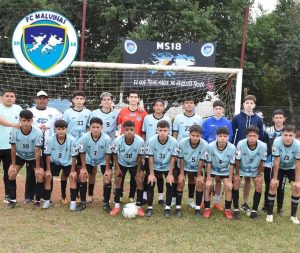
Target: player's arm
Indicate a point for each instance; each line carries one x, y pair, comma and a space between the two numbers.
237, 167
7, 123
115, 159
181, 174
139, 163
83, 161
13, 154
73, 165
48, 167
274, 181
151, 177
208, 182
170, 177
37, 154
260, 168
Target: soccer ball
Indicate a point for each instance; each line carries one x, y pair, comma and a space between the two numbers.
130, 211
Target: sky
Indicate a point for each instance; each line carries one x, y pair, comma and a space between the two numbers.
268, 5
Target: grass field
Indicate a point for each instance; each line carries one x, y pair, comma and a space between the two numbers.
26, 229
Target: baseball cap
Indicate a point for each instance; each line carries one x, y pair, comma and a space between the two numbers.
41, 93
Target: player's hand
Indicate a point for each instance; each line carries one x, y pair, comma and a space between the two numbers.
228, 186
274, 183
200, 180
83, 171
107, 173
180, 178
16, 125
43, 128
12, 168
141, 108
259, 179
170, 179
151, 179
73, 174
236, 178
208, 184
296, 186
118, 171
48, 173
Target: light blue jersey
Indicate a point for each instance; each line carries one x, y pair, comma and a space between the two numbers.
26, 143
250, 159
77, 122
95, 150
11, 114
162, 153
182, 124
288, 155
190, 155
109, 121
150, 125
128, 154
221, 159
61, 154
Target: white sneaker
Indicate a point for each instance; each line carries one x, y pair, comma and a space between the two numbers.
191, 203
46, 204
269, 218
173, 203
294, 220
73, 206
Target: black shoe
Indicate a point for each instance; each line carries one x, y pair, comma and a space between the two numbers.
237, 215
198, 213
280, 212
178, 213
167, 213
144, 202
253, 215
81, 207
106, 207
37, 203
12, 204
161, 202
149, 213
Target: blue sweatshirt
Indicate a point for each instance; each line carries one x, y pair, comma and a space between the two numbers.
211, 125
241, 121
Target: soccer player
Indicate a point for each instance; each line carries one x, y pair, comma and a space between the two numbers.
60, 151
220, 162
209, 129
9, 118
193, 153
162, 150
128, 150
181, 127
149, 130
26, 143
271, 133
240, 122
95, 149
249, 162
286, 153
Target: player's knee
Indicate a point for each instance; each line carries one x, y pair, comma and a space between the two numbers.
48, 178
199, 187
227, 188
83, 177
107, 180
236, 185
40, 175
72, 178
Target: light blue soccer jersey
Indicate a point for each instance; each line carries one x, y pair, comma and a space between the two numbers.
150, 125
95, 150
250, 159
61, 154
190, 155
128, 154
162, 153
77, 122
182, 124
11, 114
221, 159
26, 143
288, 155
109, 121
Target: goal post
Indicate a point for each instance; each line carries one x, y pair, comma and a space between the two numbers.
170, 83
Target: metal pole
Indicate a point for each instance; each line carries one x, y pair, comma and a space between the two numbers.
84, 4
245, 35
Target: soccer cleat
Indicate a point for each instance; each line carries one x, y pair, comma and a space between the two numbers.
173, 203
73, 206
6, 199
218, 206
253, 214
140, 212
269, 218
294, 220
90, 199
46, 204
12, 204
178, 212
228, 213
245, 208
149, 212
81, 207
115, 211
131, 200
191, 203
106, 207
167, 213
27, 201
64, 201
198, 213
37, 203
161, 202
280, 212
207, 213
237, 215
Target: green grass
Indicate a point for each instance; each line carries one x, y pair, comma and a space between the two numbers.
26, 229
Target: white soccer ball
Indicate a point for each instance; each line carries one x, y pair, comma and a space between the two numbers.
130, 211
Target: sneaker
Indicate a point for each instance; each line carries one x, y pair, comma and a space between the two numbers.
167, 213
28, 201
73, 206
245, 208
46, 204
198, 213
140, 212
294, 220
6, 199
115, 211
269, 218
12, 204
131, 200
81, 207
161, 202
228, 214
253, 214
37, 203
237, 215
173, 203
90, 199
218, 206
280, 212
178, 212
64, 201
106, 207
149, 213
207, 213
191, 203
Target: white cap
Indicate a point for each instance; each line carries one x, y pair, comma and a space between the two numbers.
41, 93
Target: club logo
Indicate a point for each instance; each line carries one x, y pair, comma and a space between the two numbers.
130, 46
207, 49
44, 43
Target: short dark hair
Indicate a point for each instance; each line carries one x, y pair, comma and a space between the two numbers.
133, 92
222, 130
252, 128
61, 123
96, 120
289, 128
8, 91
158, 101
188, 98
278, 112
78, 94
196, 128
129, 123
26, 114
163, 124
250, 97
218, 103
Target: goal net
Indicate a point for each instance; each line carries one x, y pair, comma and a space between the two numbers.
170, 83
